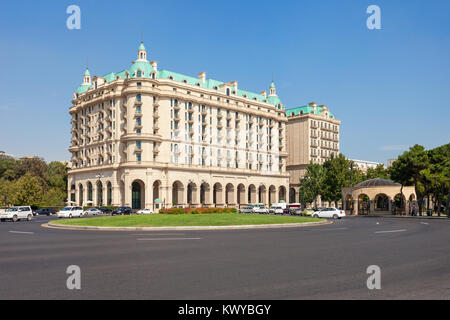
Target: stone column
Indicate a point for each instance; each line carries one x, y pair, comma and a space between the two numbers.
127, 190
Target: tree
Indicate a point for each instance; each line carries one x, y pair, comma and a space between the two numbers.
379, 172
336, 177
408, 170
27, 191
312, 183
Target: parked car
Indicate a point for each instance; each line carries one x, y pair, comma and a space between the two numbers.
277, 210
246, 209
44, 212
70, 212
293, 208
307, 212
92, 211
329, 213
260, 208
17, 213
104, 210
145, 211
121, 211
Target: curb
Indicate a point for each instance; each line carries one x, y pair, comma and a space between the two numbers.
243, 227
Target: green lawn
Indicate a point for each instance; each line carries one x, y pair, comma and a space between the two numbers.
197, 220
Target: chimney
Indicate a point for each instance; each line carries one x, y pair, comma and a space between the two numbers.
202, 77
264, 93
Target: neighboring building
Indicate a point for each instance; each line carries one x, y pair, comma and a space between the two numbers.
364, 165
4, 154
145, 136
390, 162
312, 137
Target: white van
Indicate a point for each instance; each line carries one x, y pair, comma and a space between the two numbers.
17, 213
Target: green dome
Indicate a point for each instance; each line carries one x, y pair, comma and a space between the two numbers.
144, 66
272, 85
142, 47
87, 73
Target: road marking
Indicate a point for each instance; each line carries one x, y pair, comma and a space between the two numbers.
425, 223
392, 231
22, 232
330, 229
167, 239
157, 234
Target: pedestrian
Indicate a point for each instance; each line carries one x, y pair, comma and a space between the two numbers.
414, 211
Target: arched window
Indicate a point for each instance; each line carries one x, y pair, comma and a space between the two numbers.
139, 73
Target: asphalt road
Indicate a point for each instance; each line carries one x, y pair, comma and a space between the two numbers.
326, 262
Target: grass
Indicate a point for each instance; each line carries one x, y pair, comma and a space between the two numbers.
191, 220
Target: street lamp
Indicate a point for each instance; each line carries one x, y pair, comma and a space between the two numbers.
448, 200
351, 187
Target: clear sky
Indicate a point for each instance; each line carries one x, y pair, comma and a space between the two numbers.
390, 87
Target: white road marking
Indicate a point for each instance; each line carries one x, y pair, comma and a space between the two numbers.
392, 231
329, 229
167, 239
425, 223
22, 232
157, 234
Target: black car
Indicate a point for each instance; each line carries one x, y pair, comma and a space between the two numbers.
121, 211
44, 211
104, 210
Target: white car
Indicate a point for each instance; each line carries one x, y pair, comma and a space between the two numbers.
277, 210
260, 208
329, 213
70, 212
145, 211
92, 211
17, 213
246, 209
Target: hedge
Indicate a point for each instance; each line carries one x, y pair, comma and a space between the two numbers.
197, 210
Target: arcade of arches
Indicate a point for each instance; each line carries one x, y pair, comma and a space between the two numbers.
194, 194
378, 196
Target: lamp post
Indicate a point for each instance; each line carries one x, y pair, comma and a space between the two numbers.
448, 200
351, 187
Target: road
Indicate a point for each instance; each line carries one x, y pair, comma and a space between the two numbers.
325, 262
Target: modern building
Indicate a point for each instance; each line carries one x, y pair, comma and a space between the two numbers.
148, 137
312, 137
363, 165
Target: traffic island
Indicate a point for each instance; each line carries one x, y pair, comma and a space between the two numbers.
215, 221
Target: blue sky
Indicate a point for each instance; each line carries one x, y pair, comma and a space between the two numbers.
390, 87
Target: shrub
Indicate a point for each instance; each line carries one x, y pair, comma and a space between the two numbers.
176, 211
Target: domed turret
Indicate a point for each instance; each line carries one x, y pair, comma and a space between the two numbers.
141, 68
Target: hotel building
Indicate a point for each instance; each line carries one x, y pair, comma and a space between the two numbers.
312, 137
149, 137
